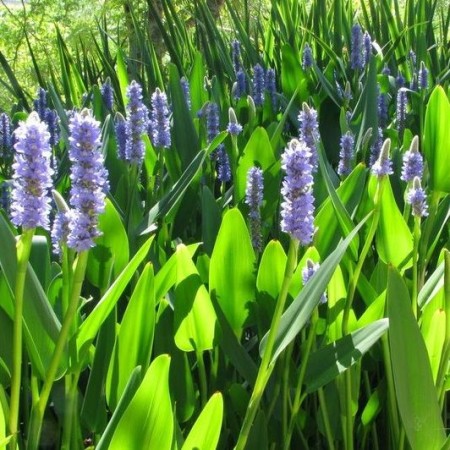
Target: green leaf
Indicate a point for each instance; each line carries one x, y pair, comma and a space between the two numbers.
89, 328
432, 286
231, 272
147, 423
205, 433
436, 139
110, 254
134, 342
40, 260
433, 332
122, 75
194, 319
299, 311
393, 238
413, 380
41, 326
128, 394
328, 362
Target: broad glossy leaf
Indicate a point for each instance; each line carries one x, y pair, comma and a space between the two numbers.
432, 286
231, 272
206, 430
298, 313
413, 380
433, 332
128, 393
122, 75
110, 254
134, 342
328, 362
89, 328
436, 139
393, 238
194, 319
147, 423
271, 269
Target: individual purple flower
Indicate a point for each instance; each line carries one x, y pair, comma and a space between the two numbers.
236, 55
107, 94
32, 178
386, 71
307, 272
136, 124
346, 153
89, 181
5, 135
356, 47
240, 86
120, 128
52, 121
309, 132
401, 110
258, 85
413, 58
186, 91
367, 42
412, 162
234, 127
160, 120
417, 198
40, 103
271, 87
307, 57
376, 147
423, 76
212, 121
383, 165
254, 199
297, 208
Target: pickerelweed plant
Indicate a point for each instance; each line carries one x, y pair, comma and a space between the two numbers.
249, 244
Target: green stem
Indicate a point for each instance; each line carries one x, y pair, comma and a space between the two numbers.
161, 172
37, 414
285, 384
415, 265
326, 419
70, 410
23, 255
298, 391
266, 367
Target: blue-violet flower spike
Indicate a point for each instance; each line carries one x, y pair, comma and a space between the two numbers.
412, 162
258, 85
383, 165
346, 153
120, 128
254, 199
297, 208
307, 57
160, 120
309, 132
32, 176
356, 55
89, 181
417, 198
107, 94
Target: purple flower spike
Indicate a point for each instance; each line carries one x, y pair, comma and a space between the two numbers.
52, 120
89, 181
258, 85
309, 132
160, 120
297, 208
367, 40
308, 271
382, 108
423, 76
107, 94
254, 199
223, 164
32, 176
40, 103
60, 231
356, 55
412, 162
271, 87
136, 125
383, 165
212, 121
240, 86
307, 57
376, 147
5, 135
400, 81
417, 198
121, 136
186, 92
346, 153
401, 109
236, 55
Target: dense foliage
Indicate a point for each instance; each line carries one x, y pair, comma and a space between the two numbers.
232, 235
